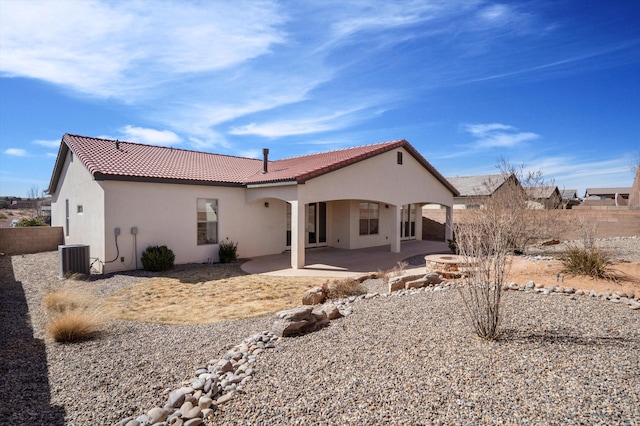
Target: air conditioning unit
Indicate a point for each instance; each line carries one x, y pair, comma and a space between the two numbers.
73, 258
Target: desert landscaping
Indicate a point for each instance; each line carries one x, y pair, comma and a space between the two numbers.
567, 356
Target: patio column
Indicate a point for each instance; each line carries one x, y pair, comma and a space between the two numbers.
297, 235
448, 225
395, 228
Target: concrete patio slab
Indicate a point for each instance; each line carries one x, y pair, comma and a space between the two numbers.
337, 263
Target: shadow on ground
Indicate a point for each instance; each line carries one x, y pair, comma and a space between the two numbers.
24, 391
560, 336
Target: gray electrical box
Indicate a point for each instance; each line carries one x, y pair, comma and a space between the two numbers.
116, 231
134, 230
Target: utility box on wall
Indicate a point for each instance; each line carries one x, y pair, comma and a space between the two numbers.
73, 258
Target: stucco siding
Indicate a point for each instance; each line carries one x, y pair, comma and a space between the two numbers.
379, 178
86, 207
166, 214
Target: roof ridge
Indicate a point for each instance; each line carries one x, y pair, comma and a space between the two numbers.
342, 149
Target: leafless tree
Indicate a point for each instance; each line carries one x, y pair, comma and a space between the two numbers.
486, 237
36, 196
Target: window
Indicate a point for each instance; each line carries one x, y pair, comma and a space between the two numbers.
369, 213
207, 221
399, 157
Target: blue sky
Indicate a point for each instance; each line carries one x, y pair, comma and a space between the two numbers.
554, 84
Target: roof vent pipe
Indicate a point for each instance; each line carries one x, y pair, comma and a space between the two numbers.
265, 160
117, 144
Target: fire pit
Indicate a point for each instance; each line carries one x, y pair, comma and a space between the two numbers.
447, 265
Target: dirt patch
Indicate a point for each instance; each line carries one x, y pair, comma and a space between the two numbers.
7, 215
545, 272
207, 294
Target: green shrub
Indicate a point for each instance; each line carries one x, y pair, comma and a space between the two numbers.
228, 251
157, 258
592, 262
32, 221
452, 246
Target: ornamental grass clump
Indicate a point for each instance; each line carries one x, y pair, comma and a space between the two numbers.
157, 258
73, 316
592, 262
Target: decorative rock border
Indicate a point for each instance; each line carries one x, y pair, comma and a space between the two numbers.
629, 299
222, 379
212, 385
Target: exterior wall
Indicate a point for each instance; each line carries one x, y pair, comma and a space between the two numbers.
166, 214
34, 239
340, 225
355, 240
381, 179
610, 221
434, 221
634, 195
81, 190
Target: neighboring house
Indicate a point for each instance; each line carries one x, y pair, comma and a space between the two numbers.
120, 197
474, 189
607, 193
607, 196
544, 197
569, 198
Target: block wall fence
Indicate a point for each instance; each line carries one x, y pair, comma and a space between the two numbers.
34, 239
611, 222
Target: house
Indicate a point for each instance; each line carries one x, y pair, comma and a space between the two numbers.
474, 189
607, 193
569, 198
544, 197
607, 196
120, 197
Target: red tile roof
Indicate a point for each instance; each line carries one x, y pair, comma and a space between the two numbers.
108, 159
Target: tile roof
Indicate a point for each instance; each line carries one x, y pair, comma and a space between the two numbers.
108, 159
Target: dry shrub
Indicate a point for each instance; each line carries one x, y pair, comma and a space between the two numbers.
338, 289
590, 261
396, 271
74, 316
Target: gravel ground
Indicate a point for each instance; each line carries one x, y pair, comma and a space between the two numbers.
395, 360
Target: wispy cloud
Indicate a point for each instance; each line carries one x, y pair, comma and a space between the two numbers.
308, 125
149, 136
131, 46
55, 143
496, 135
16, 152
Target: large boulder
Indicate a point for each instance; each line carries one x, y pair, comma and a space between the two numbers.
398, 283
294, 321
314, 296
432, 278
331, 310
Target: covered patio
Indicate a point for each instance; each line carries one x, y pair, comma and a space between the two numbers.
336, 262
